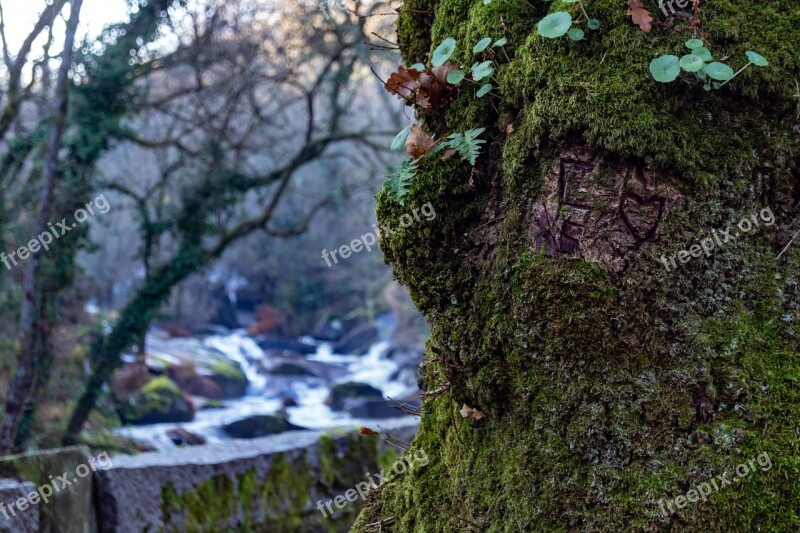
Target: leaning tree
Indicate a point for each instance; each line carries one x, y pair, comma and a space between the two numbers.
612, 289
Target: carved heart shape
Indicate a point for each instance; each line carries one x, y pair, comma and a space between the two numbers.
641, 216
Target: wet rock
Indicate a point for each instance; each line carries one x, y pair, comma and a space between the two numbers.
344, 391
259, 426
301, 367
187, 378
372, 408
267, 320
290, 369
278, 342
228, 375
181, 437
210, 404
357, 341
159, 400
329, 330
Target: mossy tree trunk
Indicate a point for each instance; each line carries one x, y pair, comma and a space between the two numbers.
612, 380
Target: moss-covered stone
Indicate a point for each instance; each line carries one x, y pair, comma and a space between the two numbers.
159, 400
605, 391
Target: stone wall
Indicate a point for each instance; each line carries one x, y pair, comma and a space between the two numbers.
277, 482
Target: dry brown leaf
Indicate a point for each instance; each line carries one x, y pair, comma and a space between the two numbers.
469, 412
640, 16
404, 82
419, 142
433, 86
366, 431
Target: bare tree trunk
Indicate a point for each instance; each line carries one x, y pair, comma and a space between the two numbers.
25, 376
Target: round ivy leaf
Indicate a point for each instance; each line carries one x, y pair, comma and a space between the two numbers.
757, 59
555, 25
703, 53
500, 42
691, 44
691, 63
482, 45
443, 52
702, 76
482, 70
419, 67
718, 71
665, 68
707, 87
575, 34
593, 24
454, 77
483, 91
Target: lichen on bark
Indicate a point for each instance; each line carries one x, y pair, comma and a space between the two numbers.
609, 384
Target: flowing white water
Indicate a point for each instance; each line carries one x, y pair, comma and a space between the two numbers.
311, 412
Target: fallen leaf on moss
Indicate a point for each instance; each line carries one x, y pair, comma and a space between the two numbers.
366, 431
640, 16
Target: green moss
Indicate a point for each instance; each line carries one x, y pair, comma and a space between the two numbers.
249, 503
225, 368
159, 399
605, 393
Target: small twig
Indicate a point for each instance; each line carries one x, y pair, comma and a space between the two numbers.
436, 393
406, 408
378, 526
466, 521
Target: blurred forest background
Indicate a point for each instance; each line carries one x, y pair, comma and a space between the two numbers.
233, 140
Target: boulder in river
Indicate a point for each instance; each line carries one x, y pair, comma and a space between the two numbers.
257, 426
329, 330
373, 408
357, 341
281, 343
343, 391
159, 400
181, 437
186, 377
208, 362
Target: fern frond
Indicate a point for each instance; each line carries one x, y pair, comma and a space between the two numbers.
398, 180
467, 145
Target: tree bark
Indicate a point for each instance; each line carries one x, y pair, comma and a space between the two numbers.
618, 375
25, 376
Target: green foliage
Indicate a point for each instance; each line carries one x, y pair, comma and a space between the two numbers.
398, 180
667, 68
467, 145
555, 25
443, 52
558, 24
